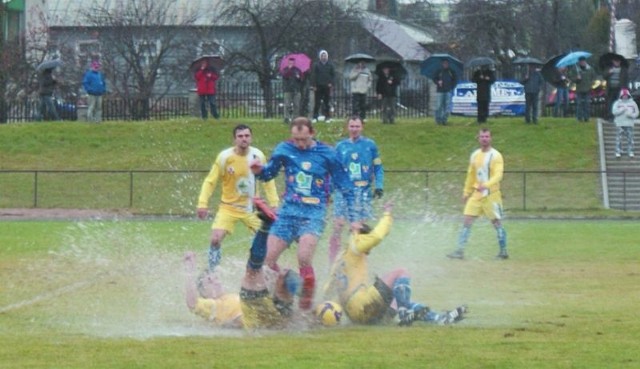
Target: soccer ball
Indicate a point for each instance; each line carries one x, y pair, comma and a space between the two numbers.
329, 313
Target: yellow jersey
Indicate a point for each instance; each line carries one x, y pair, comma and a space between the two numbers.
225, 311
239, 185
486, 169
350, 271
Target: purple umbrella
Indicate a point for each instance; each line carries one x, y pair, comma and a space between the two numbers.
300, 61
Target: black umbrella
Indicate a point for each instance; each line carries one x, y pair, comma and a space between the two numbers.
528, 60
360, 57
606, 60
549, 70
48, 64
431, 65
213, 61
395, 68
479, 61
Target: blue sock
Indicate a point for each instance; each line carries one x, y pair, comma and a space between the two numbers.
463, 237
502, 237
215, 255
402, 291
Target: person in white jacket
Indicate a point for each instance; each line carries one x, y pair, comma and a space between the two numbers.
360, 78
625, 112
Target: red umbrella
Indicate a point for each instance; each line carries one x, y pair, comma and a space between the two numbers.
213, 61
300, 60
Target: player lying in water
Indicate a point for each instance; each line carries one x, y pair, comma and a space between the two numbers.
366, 303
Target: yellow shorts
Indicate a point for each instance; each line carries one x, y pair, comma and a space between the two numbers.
226, 220
489, 206
259, 310
369, 304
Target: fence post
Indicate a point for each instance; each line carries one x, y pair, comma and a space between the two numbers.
130, 189
35, 189
426, 184
524, 191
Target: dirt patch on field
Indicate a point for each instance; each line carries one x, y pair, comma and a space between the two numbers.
35, 214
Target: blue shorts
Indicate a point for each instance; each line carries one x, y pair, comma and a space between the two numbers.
290, 228
362, 204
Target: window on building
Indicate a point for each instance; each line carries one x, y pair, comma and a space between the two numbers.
87, 51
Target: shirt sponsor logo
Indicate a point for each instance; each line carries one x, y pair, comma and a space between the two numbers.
306, 165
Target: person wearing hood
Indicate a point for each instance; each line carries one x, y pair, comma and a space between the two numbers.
583, 76
625, 112
322, 81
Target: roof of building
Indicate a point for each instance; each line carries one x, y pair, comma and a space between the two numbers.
403, 39
70, 13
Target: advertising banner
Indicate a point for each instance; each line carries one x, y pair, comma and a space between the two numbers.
507, 98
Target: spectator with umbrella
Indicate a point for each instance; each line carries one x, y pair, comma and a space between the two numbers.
360, 82
46, 87
443, 70
386, 90
616, 72
532, 83
483, 78
292, 81
583, 76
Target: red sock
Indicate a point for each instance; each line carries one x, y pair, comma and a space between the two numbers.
308, 287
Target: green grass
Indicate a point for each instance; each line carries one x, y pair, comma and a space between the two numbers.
190, 145
109, 295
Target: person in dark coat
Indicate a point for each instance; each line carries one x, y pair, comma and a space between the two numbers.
484, 78
386, 89
322, 81
47, 85
532, 82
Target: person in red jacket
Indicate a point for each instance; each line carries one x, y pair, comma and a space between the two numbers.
206, 78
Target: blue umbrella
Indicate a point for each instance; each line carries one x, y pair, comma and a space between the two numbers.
431, 65
572, 58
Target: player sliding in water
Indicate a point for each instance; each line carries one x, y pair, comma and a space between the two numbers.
366, 303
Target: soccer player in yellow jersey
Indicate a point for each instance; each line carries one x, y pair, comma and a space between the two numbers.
206, 297
482, 194
239, 187
366, 303
260, 303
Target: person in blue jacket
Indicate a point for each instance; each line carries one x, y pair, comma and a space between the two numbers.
360, 157
311, 168
95, 85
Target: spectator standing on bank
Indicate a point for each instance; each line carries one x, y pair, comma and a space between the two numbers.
386, 89
94, 84
617, 77
322, 81
206, 78
483, 78
292, 86
446, 81
583, 75
46, 87
562, 93
532, 82
360, 77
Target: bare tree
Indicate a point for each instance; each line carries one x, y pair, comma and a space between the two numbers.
143, 48
280, 26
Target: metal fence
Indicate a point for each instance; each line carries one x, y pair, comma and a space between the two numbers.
243, 99
175, 191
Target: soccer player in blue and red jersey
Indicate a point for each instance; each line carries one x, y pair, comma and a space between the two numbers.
360, 156
309, 165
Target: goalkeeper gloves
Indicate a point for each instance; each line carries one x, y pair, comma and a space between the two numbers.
377, 194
